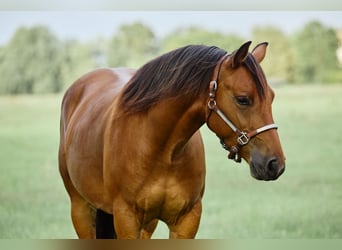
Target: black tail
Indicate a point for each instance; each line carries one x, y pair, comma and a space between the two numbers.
104, 225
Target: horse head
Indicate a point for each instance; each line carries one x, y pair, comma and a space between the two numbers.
240, 112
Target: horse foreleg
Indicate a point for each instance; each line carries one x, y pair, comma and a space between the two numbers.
186, 227
147, 231
126, 221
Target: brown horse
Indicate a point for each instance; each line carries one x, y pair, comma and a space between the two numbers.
130, 148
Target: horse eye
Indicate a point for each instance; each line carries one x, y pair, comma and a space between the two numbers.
243, 100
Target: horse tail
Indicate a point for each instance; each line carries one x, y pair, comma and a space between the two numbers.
104, 225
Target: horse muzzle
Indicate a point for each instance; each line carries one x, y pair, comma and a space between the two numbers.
266, 168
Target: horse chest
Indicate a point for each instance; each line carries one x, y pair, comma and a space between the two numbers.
165, 200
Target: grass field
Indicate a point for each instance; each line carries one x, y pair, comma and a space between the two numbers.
306, 202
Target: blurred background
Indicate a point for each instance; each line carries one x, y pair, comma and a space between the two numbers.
43, 52
51, 49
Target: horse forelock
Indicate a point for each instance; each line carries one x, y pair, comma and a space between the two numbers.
185, 71
257, 73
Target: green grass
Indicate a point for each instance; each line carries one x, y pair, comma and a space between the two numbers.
33, 201
306, 202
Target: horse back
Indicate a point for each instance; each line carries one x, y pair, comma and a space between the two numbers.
97, 88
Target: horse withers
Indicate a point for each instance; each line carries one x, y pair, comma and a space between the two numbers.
130, 148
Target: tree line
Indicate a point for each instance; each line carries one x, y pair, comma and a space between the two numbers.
35, 60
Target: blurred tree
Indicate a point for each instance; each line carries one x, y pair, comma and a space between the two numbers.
278, 63
35, 61
195, 35
315, 49
80, 58
133, 45
30, 63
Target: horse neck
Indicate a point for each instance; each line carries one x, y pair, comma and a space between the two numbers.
166, 128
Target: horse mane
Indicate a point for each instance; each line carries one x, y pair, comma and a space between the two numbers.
185, 71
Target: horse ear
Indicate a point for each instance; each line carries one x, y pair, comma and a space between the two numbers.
259, 51
239, 56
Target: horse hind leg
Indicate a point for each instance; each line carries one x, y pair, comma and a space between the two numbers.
89, 222
83, 218
82, 213
104, 225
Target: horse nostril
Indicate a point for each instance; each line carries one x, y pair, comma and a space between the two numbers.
266, 167
272, 166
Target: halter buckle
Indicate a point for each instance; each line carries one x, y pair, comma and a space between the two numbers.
243, 139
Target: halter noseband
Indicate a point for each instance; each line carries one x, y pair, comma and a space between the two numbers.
242, 137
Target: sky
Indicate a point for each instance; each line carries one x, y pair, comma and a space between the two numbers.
88, 25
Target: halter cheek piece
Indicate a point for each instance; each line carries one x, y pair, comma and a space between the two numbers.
242, 137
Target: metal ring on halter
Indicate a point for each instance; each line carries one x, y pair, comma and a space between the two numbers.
211, 104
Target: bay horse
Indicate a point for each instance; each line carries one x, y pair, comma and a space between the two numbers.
130, 149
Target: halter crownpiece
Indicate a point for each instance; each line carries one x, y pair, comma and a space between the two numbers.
242, 137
